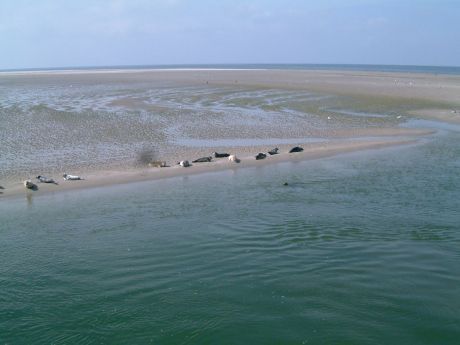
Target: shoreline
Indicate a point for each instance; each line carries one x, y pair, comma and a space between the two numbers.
119, 177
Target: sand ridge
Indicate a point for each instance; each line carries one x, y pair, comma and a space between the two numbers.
114, 177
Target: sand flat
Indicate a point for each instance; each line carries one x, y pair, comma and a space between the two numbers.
95, 123
444, 115
423, 86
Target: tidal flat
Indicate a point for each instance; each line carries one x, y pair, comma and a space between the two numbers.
101, 123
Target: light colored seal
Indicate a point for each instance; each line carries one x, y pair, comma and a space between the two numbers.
234, 158
71, 177
29, 184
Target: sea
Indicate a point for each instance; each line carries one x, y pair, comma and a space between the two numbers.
454, 70
360, 248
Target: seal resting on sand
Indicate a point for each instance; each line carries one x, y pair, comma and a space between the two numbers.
29, 184
184, 164
296, 149
261, 155
221, 155
202, 160
44, 179
158, 164
273, 152
71, 177
234, 158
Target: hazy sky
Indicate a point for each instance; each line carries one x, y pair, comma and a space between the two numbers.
59, 33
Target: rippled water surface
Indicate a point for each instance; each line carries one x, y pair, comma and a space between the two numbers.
358, 249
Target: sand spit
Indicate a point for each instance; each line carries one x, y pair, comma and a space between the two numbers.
114, 177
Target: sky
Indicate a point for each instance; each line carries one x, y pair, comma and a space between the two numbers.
70, 33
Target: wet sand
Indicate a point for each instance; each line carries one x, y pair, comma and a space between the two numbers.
426, 87
443, 115
234, 119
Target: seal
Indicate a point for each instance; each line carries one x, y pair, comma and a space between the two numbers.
221, 155
261, 155
158, 164
44, 179
234, 158
71, 177
30, 185
296, 149
184, 164
202, 160
273, 152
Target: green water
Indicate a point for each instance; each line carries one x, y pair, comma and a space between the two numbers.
357, 249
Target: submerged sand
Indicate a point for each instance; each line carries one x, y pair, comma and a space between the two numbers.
187, 114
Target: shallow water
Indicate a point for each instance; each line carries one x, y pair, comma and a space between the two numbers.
357, 249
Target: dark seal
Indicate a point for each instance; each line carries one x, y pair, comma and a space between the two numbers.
221, 155
296, 149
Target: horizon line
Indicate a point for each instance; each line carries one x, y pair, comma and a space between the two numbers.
210, 65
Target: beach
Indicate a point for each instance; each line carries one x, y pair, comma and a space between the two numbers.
99, 124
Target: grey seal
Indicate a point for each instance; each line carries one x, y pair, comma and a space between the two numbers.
273, 152
44, 179
296, 149
202, 160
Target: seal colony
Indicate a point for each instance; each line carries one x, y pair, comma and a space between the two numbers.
163, 164
112, 177
233, 158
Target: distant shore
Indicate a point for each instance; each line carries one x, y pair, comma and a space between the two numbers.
427, 69
399, 85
